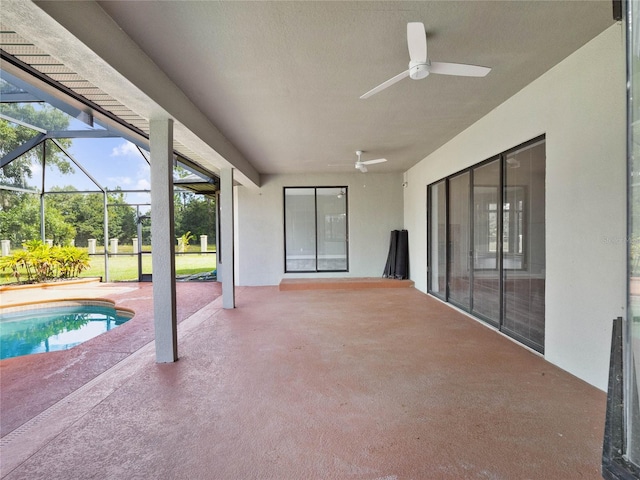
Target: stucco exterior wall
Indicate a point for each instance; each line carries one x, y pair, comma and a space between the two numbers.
580, 106
375, 208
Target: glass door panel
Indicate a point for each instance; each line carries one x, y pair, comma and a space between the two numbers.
316, 229
300, 229
523, 243
332, 229
486, 273
459, 241
438, 239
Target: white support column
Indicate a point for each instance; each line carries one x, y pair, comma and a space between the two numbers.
163, 240
226, 238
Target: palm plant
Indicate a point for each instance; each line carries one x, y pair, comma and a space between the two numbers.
72, 261
184, 240
42, 262
14, 263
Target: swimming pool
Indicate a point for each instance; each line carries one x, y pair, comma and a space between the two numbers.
56, 326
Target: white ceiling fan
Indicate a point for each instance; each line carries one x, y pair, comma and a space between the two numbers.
362, 164
420, 66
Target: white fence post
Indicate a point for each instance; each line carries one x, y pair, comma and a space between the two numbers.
203, 243
6, 247
114, 245
92, 246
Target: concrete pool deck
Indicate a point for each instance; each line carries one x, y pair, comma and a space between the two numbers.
33, 383
367, 384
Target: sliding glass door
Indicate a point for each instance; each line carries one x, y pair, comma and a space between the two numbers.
492, 218
316, 229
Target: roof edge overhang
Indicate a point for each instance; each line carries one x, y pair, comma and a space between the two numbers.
120, 68
79, 107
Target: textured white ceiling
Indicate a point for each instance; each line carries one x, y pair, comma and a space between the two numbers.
281, 80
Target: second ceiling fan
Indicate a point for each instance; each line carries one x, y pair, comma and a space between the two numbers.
362, 164
420, 66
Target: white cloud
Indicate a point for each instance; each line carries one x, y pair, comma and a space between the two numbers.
125, 149
144, 170
120, 180
143, 184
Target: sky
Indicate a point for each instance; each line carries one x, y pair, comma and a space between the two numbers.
114, 163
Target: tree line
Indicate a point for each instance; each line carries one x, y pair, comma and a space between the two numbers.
78, 217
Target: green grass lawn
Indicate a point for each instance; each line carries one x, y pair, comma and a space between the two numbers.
125, 267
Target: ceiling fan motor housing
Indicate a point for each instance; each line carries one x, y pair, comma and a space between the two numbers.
418, 70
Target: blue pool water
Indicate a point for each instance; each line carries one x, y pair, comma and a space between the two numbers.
54, 328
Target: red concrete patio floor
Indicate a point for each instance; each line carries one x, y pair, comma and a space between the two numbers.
376, 384
31, 384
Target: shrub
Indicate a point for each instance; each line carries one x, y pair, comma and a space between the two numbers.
42, 262
72, 261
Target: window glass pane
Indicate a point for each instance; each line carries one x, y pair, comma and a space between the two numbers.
524, 245
486, 276
438, 239
459, 242
300, 230
332, 228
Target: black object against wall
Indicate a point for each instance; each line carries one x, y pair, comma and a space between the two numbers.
389, 268
398, 259
614, 465
617, 9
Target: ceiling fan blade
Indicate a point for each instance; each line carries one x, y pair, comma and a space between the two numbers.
460, 69
361, 167
371, 162
386, 84
417, 42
